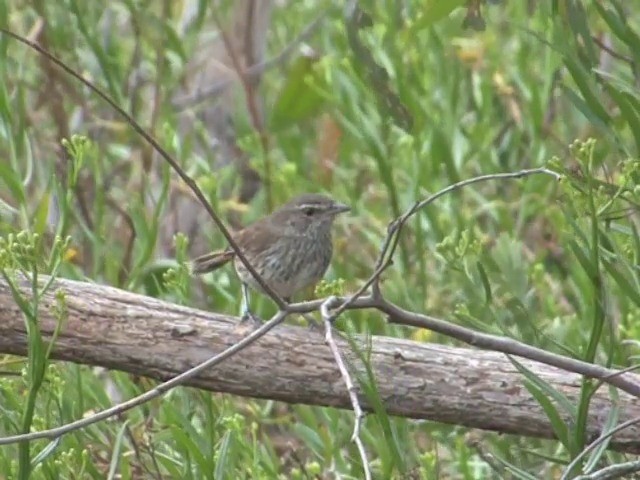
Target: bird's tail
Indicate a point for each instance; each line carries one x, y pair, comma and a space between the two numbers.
211, 261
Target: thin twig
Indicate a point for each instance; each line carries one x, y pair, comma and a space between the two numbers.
507, 345
125, 265
251, 72
611, 51
619, 470
396, 226
252, 107
602, 438
390, 243
351, 389
476, 339
377, 76
476, 442
163, 153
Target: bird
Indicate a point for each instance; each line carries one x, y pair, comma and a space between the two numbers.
290, 249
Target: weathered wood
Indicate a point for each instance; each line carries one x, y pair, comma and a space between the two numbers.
129, 332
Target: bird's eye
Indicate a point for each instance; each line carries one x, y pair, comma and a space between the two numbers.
308, 211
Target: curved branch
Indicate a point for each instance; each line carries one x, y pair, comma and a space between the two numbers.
190, 182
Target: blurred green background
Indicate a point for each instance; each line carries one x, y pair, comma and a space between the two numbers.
379, 104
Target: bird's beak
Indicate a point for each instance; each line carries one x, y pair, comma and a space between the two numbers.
340, 208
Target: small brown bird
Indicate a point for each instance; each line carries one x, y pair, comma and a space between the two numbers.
291, 248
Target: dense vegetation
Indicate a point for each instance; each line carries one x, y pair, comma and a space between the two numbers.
395, 102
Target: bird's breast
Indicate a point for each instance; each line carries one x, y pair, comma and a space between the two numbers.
291, 264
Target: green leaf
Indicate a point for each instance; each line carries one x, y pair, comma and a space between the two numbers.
543, 392
631, 291
577, 19
46, 452
442, 149
174, 42
432, 12
41, 214
186, 438
485, 282
298, 100
627, 111
115, 455
612, 421
617, 26
367, 383
222, 463
11, 180
515, 471
583, 259
585, 84
310, 437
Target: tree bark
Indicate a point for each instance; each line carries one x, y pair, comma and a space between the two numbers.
144, 336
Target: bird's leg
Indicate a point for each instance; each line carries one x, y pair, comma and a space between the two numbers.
246, 311
313, 324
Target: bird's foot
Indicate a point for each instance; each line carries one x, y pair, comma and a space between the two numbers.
313, 324
248, 316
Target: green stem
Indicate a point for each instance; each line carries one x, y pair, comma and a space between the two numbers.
587, 389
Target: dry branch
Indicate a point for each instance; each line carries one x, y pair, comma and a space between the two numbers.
124, 331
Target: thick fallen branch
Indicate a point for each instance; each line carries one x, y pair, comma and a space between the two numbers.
120, 330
